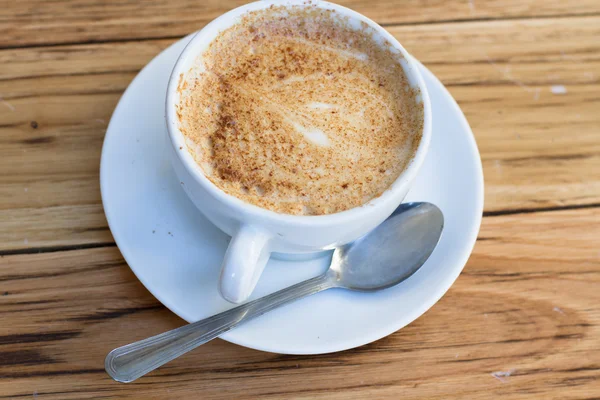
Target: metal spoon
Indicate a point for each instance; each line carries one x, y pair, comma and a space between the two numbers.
386, 256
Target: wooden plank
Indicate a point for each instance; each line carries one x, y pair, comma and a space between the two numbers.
539, 149
41, 22
84, 59
526, 306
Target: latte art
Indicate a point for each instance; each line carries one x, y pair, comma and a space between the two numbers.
295, 111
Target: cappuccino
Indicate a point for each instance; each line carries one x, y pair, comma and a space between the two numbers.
295, 110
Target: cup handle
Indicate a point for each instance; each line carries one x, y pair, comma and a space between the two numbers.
244, 262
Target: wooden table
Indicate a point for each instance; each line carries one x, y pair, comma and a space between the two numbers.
523, 319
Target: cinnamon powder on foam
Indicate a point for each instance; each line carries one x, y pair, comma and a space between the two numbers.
294, 111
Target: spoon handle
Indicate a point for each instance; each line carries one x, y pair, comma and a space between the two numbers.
129, 362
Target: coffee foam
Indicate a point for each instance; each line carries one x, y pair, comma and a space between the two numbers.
294, 110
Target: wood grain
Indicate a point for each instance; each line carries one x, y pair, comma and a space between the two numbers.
526, 304
521, 322
58, 101
41, 22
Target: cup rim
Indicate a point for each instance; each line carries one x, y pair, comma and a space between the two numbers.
244, 209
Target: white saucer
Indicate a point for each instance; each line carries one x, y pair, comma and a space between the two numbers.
176, 253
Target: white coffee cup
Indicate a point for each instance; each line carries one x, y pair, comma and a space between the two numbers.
257, 232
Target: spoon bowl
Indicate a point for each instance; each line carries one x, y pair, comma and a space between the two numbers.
392, 252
